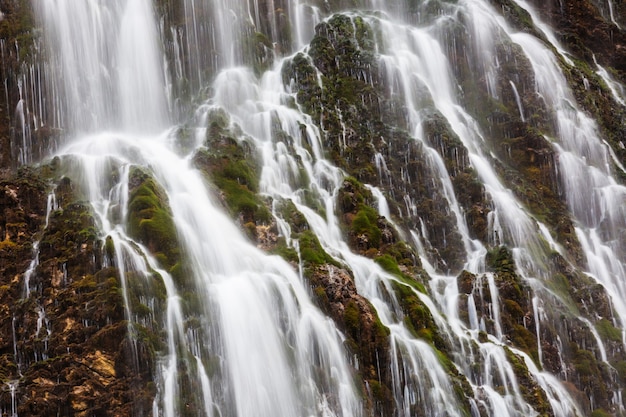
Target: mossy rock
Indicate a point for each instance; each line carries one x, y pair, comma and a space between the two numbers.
288, 253
418, 318
150, 219
590, 376
365, 336
360, 218
608, 331
365, 227
529, 388
600, 412
230, 163
389, 264
288, 212
311, 250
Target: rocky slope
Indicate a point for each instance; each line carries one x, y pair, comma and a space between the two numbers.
68, 348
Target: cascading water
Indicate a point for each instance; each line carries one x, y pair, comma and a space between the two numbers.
96, 78
474, 322
245, 298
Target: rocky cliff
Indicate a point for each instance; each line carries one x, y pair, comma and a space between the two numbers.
67, 343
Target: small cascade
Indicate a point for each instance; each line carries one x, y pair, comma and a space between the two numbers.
583, 165
431, 390
382, 206
243, 297
51, 205
137, 267
617, 90
599, 342
539, 315
518, 101
22, 116
545, 29
12, 386
16, 354
612, 14
306, 17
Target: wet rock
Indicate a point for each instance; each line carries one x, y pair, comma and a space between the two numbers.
367, 337
62, 348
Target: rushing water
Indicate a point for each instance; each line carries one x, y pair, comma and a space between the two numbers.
244, 329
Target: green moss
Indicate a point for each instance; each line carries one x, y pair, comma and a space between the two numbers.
286, 252
17, 27
230, 164
141, 310
150, 220
516, 16
147, 339
620, 367
301, 70
86, 284
531, 392
525, 340
600, 412
352, 319
288, 212
181, 275
585, 363
560, 284
402, 254
377, 390
389, 264
320, 295
311, 250
589, 374
608, 332
418, 317
365, 223
241, 200
109, 249
514, 300
500, 259
88, 234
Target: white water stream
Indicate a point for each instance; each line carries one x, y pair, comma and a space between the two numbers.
276, 353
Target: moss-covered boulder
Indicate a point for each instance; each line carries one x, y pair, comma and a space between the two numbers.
149, 217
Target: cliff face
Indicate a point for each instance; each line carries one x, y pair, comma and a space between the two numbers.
587, 30
65, 345
11, 28
77, 337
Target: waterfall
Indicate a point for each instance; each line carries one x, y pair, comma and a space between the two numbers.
96, 52
327, 210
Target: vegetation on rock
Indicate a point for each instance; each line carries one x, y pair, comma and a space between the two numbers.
90, 358
79, 359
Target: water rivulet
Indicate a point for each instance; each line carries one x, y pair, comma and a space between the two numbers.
314, 208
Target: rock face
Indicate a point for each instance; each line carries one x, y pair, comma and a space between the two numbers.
65, 349
16, 22
585, 29
66, 343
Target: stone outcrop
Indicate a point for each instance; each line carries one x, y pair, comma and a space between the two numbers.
64, 345
65, 338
